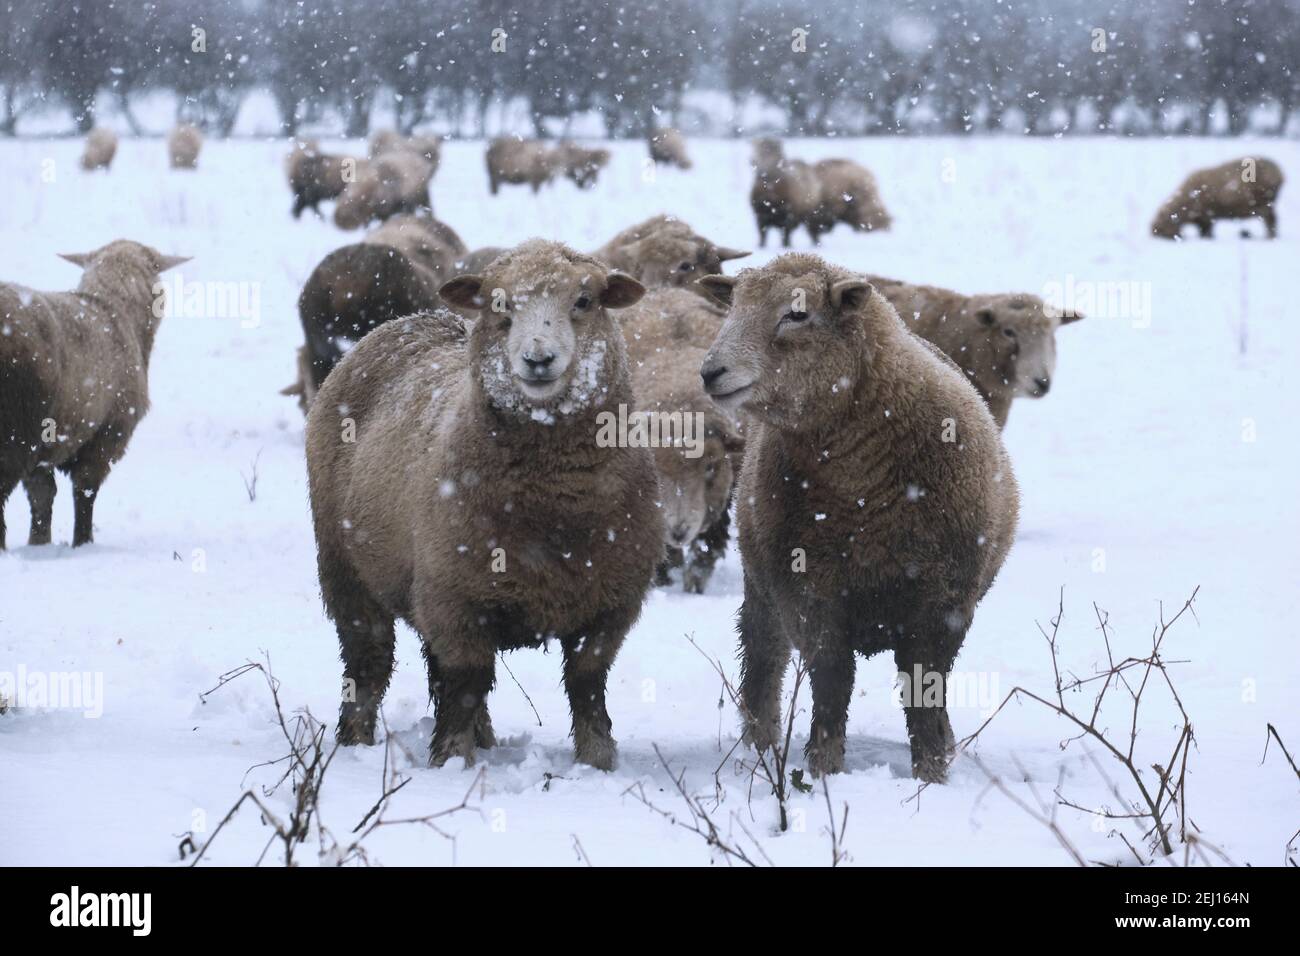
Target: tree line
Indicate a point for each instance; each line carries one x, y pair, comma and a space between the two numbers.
838, 67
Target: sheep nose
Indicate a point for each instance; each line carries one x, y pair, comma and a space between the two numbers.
711, 372
538, 360
1043, 384
679, 531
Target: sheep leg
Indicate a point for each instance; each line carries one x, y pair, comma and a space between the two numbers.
1270, 220
89, 469
831, 669
40, 488
6, 486
1205, 227
764, 654
762, 237
366, 641
484, 736
704, 554
786, 233
925, 705
587, 659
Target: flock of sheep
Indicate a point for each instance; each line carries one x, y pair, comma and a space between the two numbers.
454, 400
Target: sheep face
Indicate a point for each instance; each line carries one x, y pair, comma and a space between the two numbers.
1168, 222
791, 342
664, 260
1025, 320
768, 153
694, 492
544, 339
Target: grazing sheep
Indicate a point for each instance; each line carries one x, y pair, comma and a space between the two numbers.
786, 193
697, 457
74, 379
514, 160
849, 194
580, 164
670, 321
183, 145
1238, 189
101, 147
876, 502
663, 251
1005, 343
394, 271
428, 146
474, 502
396, 182
669, 146
314, 176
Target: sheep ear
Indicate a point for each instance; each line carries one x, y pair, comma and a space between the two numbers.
79, 259
717, 287
171, 262
1074, 316
621, 290
727, 254
464, 291
849, 295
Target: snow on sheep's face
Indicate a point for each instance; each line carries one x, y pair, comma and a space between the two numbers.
543, 333
789, 345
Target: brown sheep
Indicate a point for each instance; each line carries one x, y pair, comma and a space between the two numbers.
183, 145
849, 194
74, 379
476, 260
394, 271
669, 146
696, 459
669, 321
101, 147
786, 193
515, 160
580, 164
422, 144
663, 251
1004, 343
314, 176
474, 503
1237, 189
396, 182
876, 502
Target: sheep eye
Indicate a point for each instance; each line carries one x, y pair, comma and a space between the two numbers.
794, 317
584, 302
686, 267
1009, 333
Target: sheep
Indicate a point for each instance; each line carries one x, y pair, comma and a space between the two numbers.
314, 176
396, 182
1004, 343
183, 145
696, 457
849, 194
514, 160
786, 193
395, 270
476, 260
474, 503
669, 146
663, 251
74, 379
101, 147
580, 164
876, 502
669, 321
427, 145
1238, 189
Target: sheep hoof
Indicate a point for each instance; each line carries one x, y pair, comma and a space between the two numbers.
826, 759
762, 735
930, 769
598, 752
694, 582
355, 728
461, 744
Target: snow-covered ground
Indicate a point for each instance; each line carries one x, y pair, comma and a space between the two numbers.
1164, 458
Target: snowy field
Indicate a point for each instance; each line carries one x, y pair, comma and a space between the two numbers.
1163, 459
